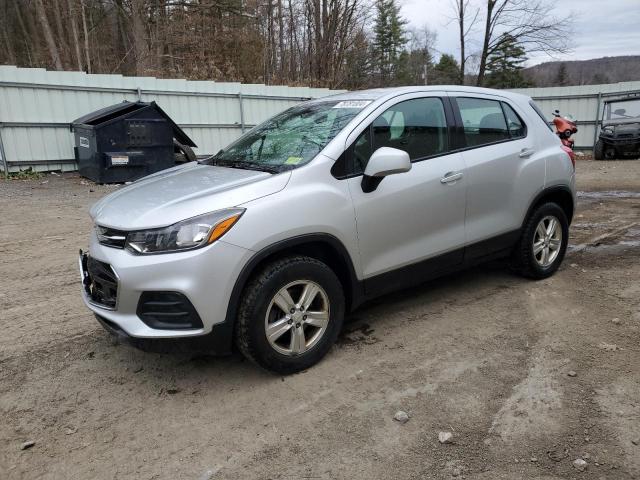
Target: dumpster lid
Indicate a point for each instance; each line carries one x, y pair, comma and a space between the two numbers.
118, 110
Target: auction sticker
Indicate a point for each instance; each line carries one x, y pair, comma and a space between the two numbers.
352, 104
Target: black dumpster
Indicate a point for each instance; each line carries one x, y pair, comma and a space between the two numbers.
126, 141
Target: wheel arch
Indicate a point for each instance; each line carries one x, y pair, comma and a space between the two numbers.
321, 246
560, 195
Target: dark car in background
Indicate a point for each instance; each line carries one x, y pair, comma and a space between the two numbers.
620, 132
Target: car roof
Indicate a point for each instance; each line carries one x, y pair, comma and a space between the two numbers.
385, 93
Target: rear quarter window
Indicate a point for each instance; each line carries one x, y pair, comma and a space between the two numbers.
536, 109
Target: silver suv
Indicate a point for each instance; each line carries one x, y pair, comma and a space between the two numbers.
272, 241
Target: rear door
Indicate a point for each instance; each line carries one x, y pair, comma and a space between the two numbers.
497, 151
414, 216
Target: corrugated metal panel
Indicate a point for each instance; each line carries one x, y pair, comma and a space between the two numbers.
36, 107
583, 102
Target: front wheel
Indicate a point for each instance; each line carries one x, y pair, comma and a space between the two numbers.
290, 315
543, 242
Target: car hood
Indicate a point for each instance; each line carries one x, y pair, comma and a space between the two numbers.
183, 192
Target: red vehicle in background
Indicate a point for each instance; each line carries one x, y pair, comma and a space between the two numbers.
565, 128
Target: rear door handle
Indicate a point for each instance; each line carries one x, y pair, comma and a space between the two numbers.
526, 152
451, 177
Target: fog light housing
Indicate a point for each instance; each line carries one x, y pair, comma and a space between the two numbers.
168, 311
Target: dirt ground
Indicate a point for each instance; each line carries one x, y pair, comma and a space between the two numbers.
483, 354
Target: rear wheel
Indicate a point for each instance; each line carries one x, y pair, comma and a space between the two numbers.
543, 242
598, 150
290, 315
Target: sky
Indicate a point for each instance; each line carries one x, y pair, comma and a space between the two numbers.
601, 27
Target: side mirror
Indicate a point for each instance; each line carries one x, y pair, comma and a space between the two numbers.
384, 161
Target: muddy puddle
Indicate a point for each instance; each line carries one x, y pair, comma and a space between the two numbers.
608, 194
614, 244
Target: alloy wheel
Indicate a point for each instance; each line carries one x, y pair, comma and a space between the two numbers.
547, 241
297, 317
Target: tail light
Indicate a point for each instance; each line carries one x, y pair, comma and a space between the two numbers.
572, 155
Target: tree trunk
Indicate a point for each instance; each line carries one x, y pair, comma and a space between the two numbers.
461, 14
26, 37
48, 35
74, 34
60, 34
485, 43
86, 38
140, 46
11, 54
317, 19
282, 61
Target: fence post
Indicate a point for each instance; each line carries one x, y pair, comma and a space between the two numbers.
5, 163
597, 124
241, 111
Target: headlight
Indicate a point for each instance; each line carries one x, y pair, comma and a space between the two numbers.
607, 130
192, 233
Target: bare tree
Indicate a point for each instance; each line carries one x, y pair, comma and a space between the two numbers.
48, 35
275, 41
530, 22
466, 18
86, 37
74, 34
422, 40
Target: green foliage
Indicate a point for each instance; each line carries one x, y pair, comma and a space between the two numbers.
357, 63
504, 64
389, 40
26, 174
446, 71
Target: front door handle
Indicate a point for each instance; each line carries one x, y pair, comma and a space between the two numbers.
526, 152
451, 177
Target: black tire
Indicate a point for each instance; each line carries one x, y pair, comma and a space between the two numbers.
250, 333
598, 150
610, 153
183, 153
524, 261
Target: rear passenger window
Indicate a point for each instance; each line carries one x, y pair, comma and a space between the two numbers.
514, 124
483, 121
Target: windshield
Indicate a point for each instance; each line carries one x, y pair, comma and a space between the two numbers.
291, 138
622, 110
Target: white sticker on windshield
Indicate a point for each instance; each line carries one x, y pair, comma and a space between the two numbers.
352, 104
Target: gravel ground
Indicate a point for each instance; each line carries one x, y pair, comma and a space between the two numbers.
527, 376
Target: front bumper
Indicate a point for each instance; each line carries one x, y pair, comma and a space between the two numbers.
205, 276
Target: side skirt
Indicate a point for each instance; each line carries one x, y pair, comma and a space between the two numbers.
411, 275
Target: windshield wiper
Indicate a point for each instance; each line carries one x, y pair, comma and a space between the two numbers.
246, 165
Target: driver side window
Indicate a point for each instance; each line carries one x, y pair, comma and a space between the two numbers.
417, 126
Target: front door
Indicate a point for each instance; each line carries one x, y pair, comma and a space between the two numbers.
412, 224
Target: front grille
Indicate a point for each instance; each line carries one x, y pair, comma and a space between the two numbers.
102, 284
167, 311
111, 237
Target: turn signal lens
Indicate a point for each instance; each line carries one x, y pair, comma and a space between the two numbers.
222, 227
